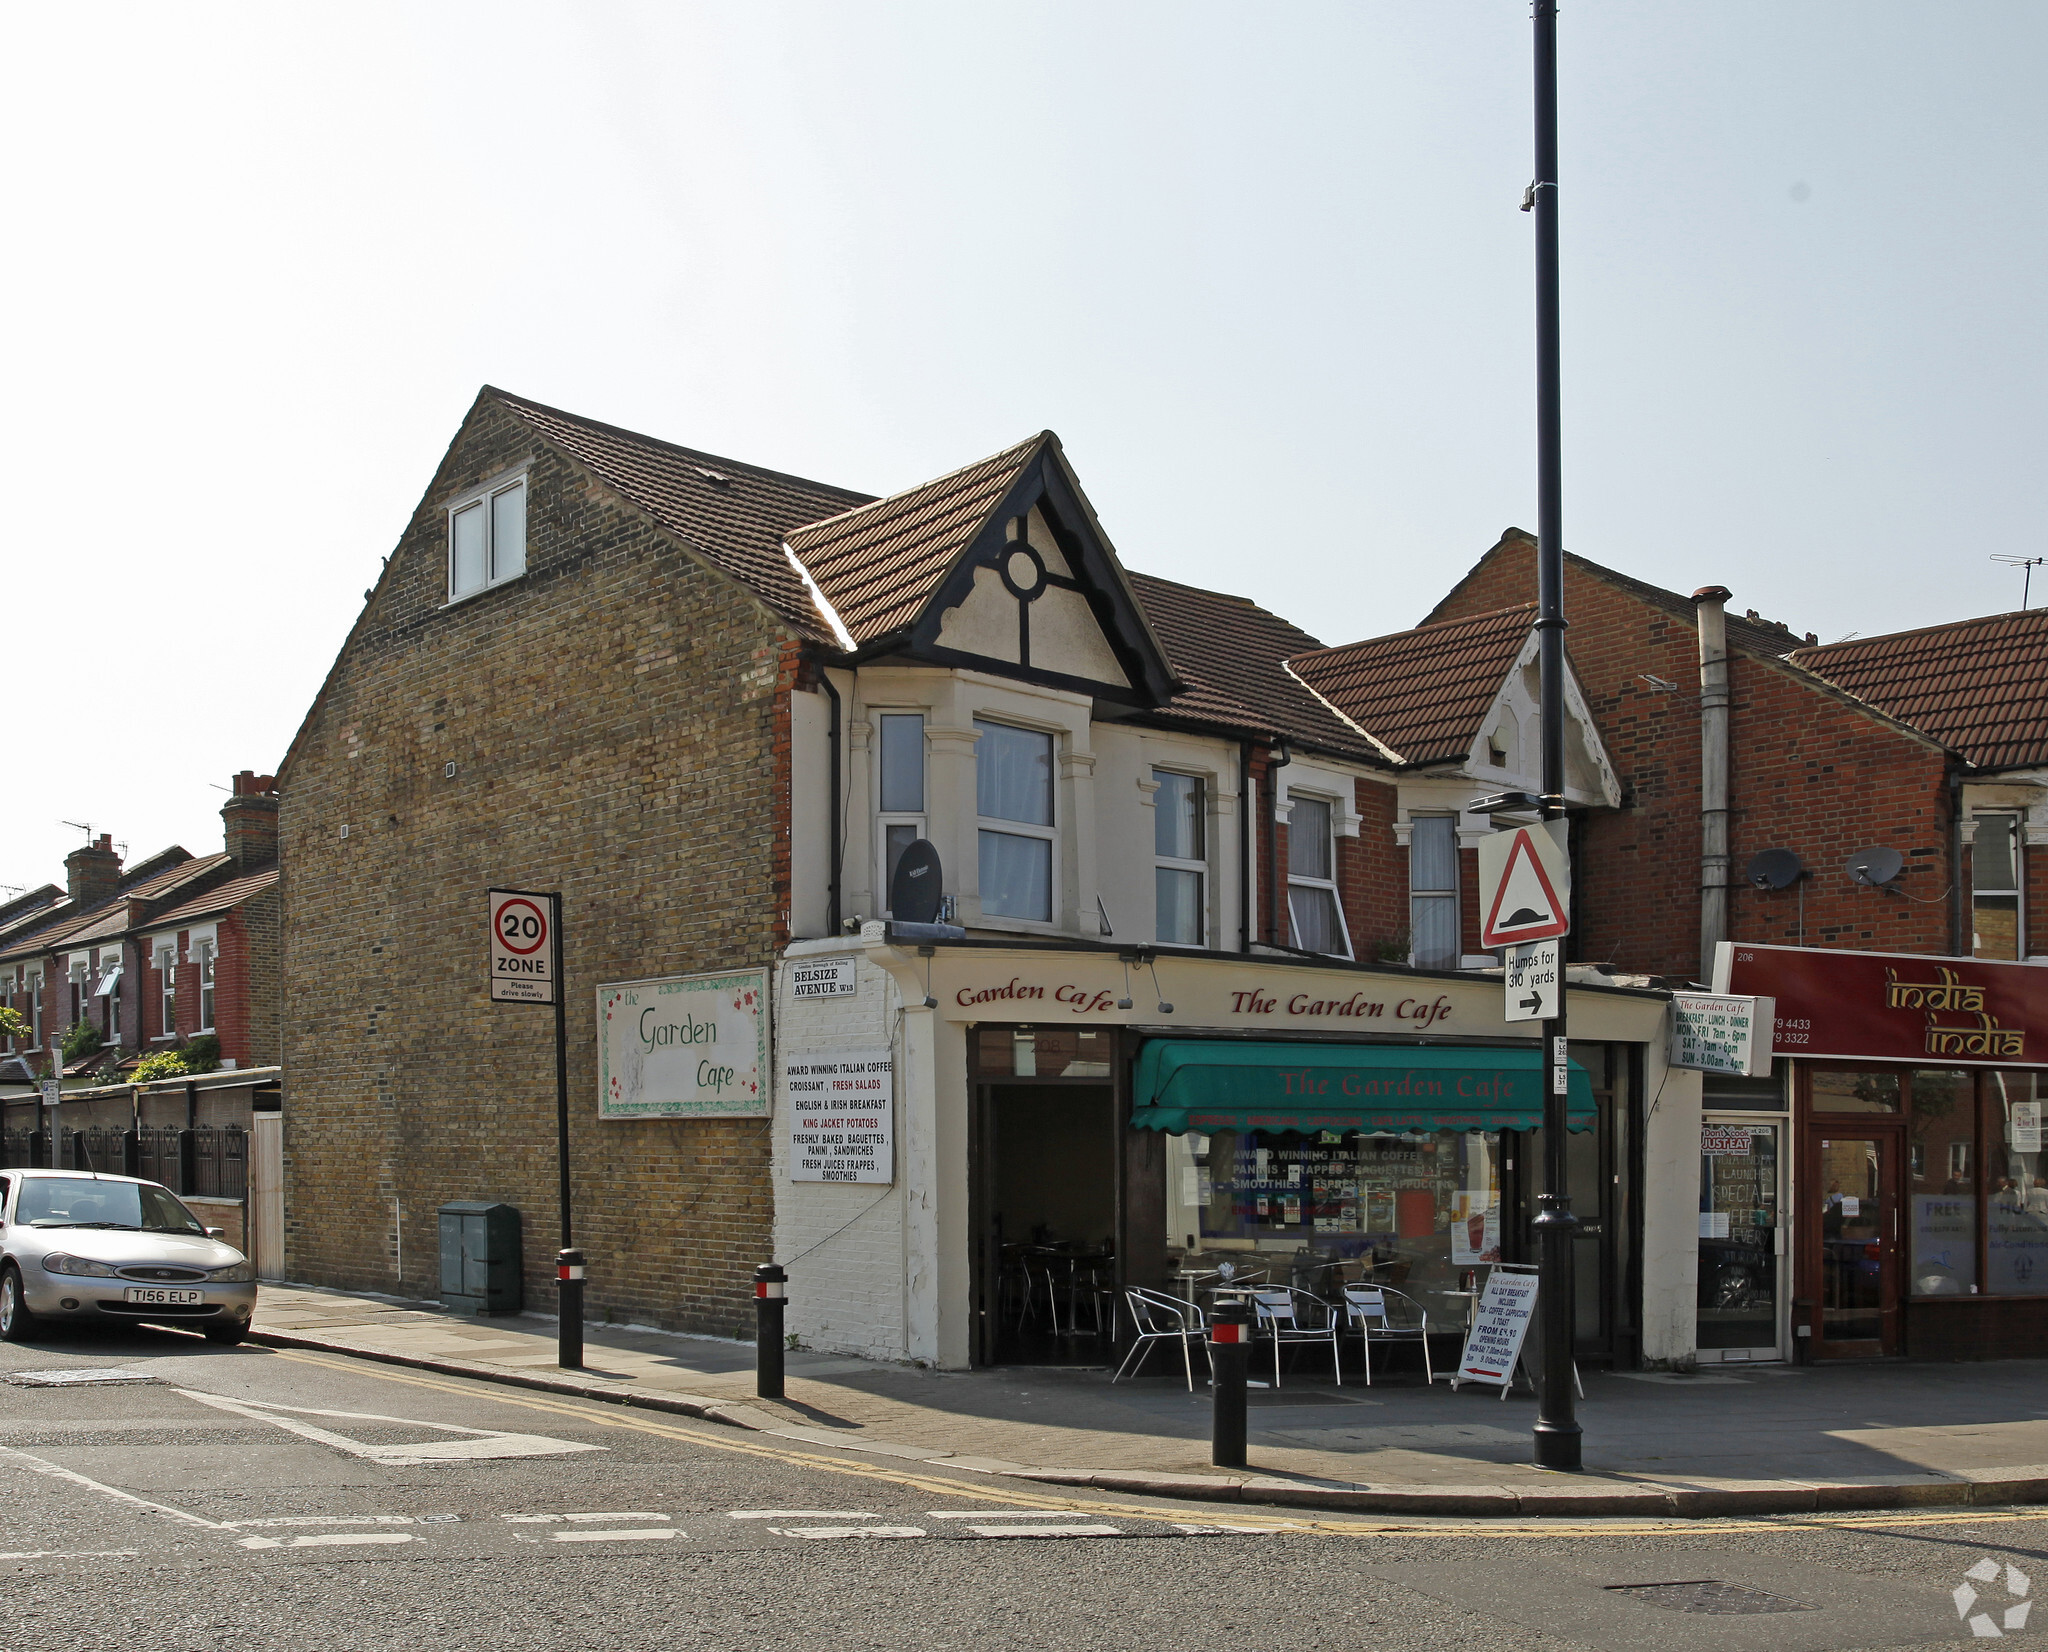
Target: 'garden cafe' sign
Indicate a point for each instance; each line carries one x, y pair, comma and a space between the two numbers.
688, 1046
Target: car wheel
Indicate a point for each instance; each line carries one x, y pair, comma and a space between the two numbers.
227, 1335
17, 1324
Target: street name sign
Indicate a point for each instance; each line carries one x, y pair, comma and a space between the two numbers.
522, 947
1525, 885
1535, 981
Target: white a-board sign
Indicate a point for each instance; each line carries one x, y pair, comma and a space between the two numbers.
1499, 1324
841, 1116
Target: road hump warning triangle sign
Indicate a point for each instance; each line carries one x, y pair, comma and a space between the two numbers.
1525, 887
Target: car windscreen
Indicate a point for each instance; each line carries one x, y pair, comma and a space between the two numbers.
79, 1201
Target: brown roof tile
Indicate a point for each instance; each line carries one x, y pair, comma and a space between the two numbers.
216, 900
70, 925
879, 563
1421, 693
1230, 653
1978, 686
737, 515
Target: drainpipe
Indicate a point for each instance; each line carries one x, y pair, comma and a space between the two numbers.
1277, 758
1713, 627
832, 806
1247, 851
1958, 935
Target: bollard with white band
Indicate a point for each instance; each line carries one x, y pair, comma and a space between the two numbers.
569, 1308
770, 1297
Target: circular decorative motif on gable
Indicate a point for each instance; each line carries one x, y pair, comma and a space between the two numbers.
1022, 572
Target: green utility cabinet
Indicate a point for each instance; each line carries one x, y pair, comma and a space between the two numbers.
480, 1257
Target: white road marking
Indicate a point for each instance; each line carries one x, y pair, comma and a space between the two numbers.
530, 1519
847, 1531
799, 1514
37, 1465
73, 1554
660, 1533
626, 1514
1046, 1531
1242, 1531
333, 1520
1010, 1514
339, 1540
476, 1444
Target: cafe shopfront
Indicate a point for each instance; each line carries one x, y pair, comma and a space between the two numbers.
1881, 1194
1069, 1121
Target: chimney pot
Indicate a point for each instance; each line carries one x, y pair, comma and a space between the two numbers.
1712, 593
93, 872
249, 820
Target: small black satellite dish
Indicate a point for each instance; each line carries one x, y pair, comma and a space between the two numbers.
914, 890
1775, 869
1875, 867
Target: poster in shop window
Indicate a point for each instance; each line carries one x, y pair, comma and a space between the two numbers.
684, 1047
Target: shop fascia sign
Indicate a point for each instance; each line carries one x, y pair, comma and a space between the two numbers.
1722, 1033
1893, 1006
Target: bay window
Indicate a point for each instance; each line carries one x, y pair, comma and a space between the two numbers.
899, 788
1995, 886
1318, 920
167, 987
205, 951
1180, 856
1013, 793
1433, 892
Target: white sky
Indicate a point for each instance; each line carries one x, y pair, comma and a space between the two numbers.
1259, 266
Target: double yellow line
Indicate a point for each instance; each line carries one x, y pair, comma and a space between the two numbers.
720, 1438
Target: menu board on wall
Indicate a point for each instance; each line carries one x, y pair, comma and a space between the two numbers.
842, 1113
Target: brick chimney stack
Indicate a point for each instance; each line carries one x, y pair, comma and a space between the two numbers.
250, 818
94, 871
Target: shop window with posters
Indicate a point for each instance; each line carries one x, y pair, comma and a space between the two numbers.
1941, 1183
2016, 1205
1416, 1207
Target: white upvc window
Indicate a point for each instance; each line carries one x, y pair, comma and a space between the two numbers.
899, 789
32, 984
167, 988
204, 953
487, 537
1180, 857
108, 991
1995, 917
81, 988
11, 980
1312, 905
1433, 941
1013, 779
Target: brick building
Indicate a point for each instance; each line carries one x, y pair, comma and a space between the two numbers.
716, 707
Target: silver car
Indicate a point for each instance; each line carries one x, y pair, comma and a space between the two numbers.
77, 1246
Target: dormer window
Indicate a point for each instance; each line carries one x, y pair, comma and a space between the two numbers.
487, 538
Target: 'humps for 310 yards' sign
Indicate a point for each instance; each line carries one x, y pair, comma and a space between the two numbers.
687, 1047
841, 1116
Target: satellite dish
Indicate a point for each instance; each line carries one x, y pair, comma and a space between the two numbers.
914, 890
1875, 867
1775, 869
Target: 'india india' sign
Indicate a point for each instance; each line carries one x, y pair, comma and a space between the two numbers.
687, 1047
841, 1111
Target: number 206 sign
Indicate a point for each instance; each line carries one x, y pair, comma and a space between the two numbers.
522, 947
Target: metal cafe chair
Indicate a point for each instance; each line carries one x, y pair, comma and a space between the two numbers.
1381, 1314
1284, 1314
1162, 1318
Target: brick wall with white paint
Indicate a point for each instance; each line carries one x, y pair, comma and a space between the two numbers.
843, 1244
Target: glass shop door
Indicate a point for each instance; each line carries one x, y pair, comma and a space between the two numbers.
1742, 1242
1851, 1228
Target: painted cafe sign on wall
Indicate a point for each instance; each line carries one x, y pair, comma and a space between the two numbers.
1893, 1006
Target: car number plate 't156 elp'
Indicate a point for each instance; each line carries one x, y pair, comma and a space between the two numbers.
165, 1298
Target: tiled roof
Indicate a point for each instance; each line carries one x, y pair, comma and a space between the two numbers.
1421, 693
71, 925
1230, 653
1978, 686
737, 515
216, 900
878, 564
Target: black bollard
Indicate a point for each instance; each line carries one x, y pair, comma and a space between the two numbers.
769, 1300
1230, 1332
569, 1309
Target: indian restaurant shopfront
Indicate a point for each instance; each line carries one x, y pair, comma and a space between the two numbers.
1066, 1122
1881, 1194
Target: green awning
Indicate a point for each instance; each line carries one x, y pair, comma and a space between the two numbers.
1183, 1084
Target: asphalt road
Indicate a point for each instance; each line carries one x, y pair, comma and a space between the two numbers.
250, 1498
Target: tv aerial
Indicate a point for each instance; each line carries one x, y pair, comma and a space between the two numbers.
2028, 563
1875, 868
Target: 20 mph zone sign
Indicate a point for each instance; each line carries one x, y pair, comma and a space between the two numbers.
522, 947
1525, 885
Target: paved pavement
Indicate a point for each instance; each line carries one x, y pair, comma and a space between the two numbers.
1764, 1439
216, 1500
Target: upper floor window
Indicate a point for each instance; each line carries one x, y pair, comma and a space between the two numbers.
1013, 792
110, 992
167, 988
900, 788
81, 986
205, 950
1995, 886
32, 983
1433, 892
1180, 851
487, 539
1318, 920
